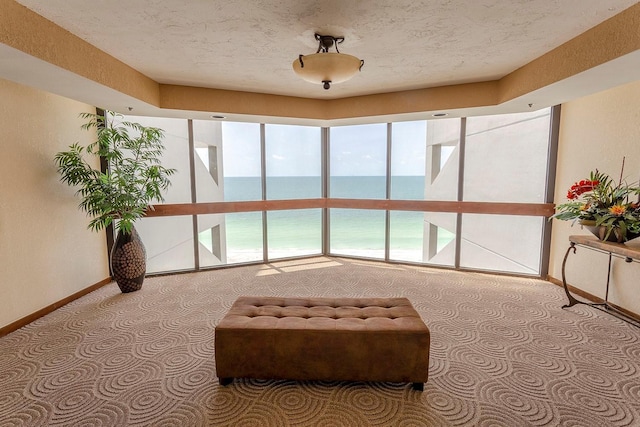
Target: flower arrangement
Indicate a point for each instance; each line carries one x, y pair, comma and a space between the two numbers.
601, 203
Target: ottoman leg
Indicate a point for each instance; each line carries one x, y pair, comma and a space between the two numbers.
225, 381
418, 386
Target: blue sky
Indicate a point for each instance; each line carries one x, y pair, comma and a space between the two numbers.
295, 150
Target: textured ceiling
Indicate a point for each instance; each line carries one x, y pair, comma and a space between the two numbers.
249, 45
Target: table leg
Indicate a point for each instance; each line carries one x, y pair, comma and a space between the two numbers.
606, 294
572, 300
603, 306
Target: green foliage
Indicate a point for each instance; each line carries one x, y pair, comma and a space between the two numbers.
134, 179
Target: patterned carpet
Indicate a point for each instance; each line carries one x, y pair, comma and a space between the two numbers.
503, 353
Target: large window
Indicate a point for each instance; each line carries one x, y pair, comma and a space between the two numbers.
241, 161
358, 170
408, 160
424, 166
422, 237
293, 168
506, 157
506, 160
294, 233
243, 237
501, 243
293, 160
358, 162
270, 180
357, 232
228, 168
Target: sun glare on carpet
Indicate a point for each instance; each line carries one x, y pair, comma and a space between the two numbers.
297, 265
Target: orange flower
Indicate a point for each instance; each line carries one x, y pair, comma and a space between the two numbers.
618, 210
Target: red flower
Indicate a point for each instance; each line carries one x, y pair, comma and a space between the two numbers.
580, 188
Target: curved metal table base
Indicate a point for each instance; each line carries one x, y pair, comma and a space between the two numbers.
602, 306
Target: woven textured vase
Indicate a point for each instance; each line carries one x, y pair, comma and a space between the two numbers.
128, 261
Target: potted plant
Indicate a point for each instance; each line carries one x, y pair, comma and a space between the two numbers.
603, 207
133, 180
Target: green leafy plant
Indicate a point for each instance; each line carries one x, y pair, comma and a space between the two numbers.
604, 203
134, 178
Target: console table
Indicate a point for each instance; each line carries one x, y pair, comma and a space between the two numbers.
630, 253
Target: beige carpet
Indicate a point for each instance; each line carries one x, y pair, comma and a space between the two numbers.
503, 353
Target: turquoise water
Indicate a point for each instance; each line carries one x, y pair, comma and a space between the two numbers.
299, 231
302, 187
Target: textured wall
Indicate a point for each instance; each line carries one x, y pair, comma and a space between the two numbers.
46, 252
596, 132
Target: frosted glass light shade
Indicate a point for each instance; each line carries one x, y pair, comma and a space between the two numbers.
327, 66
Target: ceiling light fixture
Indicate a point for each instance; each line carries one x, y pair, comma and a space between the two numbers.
327, 67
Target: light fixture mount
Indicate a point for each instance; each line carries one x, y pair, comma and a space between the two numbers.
325, 42
327, 67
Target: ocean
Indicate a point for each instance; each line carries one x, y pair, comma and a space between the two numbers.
303, 187
298, 232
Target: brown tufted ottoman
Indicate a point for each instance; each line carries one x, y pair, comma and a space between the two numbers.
346, 339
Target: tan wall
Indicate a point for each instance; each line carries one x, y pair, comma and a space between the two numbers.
597, 132
46, 252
